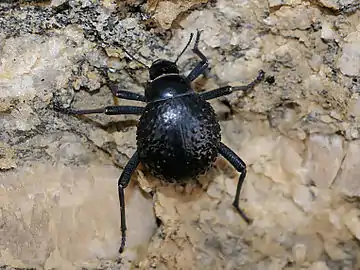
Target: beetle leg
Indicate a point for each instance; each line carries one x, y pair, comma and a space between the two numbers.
202, 65
122, 184
125, 94
109, 110
240, 166
226, 90
128, 95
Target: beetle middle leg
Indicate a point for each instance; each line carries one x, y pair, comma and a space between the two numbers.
108, 110
125, 94
226, 90
202, 65
240, 166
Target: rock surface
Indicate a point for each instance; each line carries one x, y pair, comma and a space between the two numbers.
298, 132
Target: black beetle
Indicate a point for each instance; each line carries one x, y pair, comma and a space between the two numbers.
178, 135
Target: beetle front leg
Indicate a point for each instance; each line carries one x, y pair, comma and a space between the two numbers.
122, 184
202, 65
240, 166
226, 90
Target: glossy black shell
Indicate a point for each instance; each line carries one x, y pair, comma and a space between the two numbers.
178, 137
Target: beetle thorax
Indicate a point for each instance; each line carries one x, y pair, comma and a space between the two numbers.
167, 86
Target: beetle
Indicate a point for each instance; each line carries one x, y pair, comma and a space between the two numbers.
178, 134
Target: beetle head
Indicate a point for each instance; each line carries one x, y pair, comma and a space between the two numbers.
161, 67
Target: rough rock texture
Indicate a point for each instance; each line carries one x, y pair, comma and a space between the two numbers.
298, 132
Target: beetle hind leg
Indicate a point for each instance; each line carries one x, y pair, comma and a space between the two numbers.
122, 184
240, 166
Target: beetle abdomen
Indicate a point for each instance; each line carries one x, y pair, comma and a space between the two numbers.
178, 138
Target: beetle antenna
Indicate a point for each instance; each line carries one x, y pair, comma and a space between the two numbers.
187, 45
133, 58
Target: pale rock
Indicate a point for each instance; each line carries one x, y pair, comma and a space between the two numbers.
354, 107
206, 216
230, 186
276, 211
215, 33
289, 156
68, 216
326, 118
6, 258
7, 157
291, 18
232, 8
139, 208
315, 62
56, 3
336, 217
215, 189
320, 265
333, 4
238, 72
311, 245
259, 147
100, 137
31, 64
268, 247
126, 140
165, 207
21, 118
55, 261
349, 62
352, 221
339, 4
299, 252
335, 253
303, 197
327, 31
276, 3
277, 158
167, 11
324, 157
68, 148
276, 263
335, 115
352, 133
348, 180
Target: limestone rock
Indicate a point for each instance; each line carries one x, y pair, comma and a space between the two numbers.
325, 155
347, 181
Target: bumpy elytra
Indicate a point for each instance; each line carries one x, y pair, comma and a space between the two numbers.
178, 135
